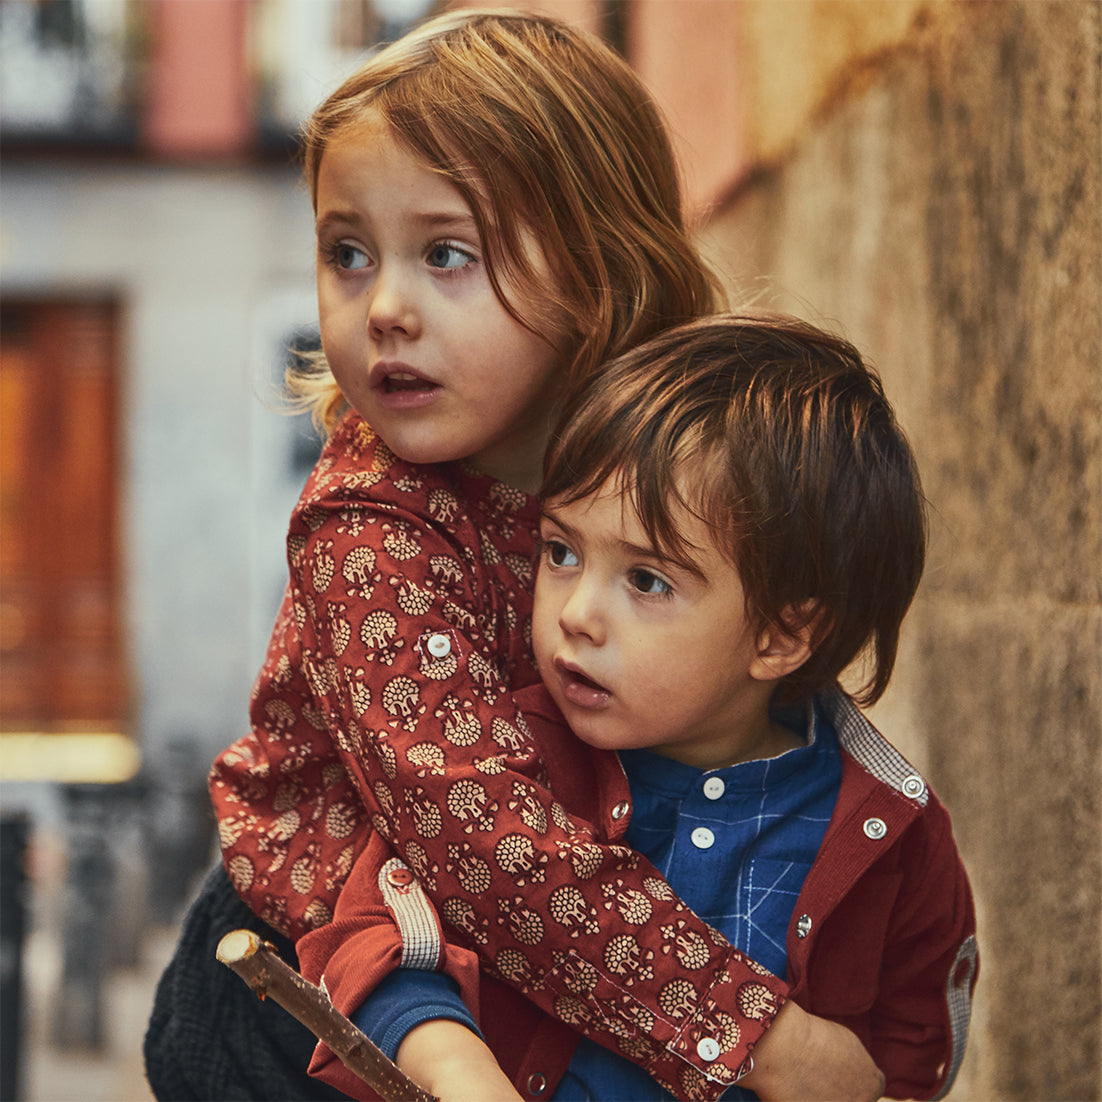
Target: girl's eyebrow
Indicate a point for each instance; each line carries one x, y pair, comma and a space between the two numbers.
335, 218
435, 221
447, 220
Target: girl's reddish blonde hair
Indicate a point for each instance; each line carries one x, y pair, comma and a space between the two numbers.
548, 134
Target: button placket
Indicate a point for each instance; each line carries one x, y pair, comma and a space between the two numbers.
440, 652
708, 1049
714, 788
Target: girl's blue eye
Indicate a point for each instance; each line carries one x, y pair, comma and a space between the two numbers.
448, 256
558, 554
651, 584
349, 257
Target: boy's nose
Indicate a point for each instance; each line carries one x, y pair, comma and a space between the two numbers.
392, 308
581, 614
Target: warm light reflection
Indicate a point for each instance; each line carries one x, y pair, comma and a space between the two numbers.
68, 758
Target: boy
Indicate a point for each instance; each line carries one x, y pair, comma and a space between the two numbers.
731, 518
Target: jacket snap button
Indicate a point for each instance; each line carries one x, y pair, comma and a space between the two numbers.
537, 1084
875, 829
440, 646
620, 810
803, 926
914, 786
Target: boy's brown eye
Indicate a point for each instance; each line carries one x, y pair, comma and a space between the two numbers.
652, 584
559, 554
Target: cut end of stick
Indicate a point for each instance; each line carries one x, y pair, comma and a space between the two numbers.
238, 945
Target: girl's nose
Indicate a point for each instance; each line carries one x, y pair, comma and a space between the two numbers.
393, 308
581, 613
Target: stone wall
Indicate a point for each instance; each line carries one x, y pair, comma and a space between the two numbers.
944, 212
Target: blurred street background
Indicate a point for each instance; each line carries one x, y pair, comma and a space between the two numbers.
923, 175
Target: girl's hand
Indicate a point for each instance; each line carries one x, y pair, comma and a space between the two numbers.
448, 1060
803, 1056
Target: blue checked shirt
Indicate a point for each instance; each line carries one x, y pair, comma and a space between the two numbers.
736, 845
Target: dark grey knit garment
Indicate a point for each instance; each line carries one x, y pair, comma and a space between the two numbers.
210, 1039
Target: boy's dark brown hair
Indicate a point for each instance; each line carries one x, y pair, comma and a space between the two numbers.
779, 437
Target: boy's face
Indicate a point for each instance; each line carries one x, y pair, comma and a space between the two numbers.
638, 651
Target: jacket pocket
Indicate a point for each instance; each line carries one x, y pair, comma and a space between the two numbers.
843, 970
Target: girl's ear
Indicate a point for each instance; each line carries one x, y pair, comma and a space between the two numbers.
782, 649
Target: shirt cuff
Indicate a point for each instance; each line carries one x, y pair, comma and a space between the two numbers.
406, 998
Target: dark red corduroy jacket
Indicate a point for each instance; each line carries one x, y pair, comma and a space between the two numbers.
882, 937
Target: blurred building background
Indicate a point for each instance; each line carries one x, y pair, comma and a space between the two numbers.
922, 174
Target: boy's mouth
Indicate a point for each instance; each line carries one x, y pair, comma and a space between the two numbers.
579, 688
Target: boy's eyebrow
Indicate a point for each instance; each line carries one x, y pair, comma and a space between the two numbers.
644, 551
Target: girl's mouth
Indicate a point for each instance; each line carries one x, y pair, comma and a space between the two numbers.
400, 387
400, 382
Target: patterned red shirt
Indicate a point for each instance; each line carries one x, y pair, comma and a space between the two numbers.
384, 702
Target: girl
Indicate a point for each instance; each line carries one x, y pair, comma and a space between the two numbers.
497, 214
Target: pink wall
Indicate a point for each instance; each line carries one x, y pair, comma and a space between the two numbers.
688, 54
199, 98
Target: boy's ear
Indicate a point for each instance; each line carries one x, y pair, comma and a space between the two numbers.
784, 649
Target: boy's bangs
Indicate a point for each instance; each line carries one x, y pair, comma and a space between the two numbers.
687, 477
661, 467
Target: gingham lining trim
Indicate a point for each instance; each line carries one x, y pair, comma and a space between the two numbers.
413, 915
861, 739
958, 993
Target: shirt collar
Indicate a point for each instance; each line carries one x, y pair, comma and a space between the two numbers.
675, 779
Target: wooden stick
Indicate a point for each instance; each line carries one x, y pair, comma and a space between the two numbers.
260, 966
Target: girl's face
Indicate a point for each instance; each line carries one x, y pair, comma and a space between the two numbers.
414, 334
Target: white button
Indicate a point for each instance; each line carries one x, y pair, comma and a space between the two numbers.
620, 810
440, 646
714, 788
703, 838
914, 786
708, 1049
875, 829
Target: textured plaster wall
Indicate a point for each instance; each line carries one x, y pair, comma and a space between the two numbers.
945, 213
738, 79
